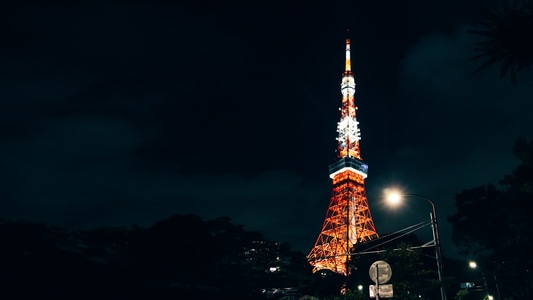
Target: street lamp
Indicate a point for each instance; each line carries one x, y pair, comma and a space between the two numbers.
473, 265
395, 197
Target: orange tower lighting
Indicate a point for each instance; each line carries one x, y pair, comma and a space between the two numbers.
348, 219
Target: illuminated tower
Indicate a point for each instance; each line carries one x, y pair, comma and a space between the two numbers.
348, 219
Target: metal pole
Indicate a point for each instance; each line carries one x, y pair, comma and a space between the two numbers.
377, 282
436, 240
497, 288
438, 254
486, 286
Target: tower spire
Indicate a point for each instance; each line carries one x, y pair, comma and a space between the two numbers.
348, 219
347, 128
348, 64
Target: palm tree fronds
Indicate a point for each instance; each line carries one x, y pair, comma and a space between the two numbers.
507, 37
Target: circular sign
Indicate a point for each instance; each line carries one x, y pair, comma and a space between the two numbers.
380, 272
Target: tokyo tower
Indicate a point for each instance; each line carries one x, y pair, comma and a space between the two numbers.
348, 219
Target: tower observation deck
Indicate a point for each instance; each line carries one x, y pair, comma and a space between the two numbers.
348, 218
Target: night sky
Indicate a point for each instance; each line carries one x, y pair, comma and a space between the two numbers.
115, 113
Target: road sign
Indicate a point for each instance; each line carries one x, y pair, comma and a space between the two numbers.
380, 272
384, 291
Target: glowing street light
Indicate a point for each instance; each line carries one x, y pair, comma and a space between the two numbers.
473, 265
395, 198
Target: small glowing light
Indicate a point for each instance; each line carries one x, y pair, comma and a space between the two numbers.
472, 264
360, 287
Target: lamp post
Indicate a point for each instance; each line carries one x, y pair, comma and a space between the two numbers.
473, 265
396, 197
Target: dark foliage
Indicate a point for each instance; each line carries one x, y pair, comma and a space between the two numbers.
507, 38
414, 269
493, 225
407, 265
182, 257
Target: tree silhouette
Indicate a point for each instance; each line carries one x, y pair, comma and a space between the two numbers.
493, 225
507, 34
179, 257
412, 280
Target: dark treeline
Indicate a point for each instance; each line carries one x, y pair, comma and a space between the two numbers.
182, 257
185, 257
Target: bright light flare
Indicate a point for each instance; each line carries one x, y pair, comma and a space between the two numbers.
472, 264
393, 197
